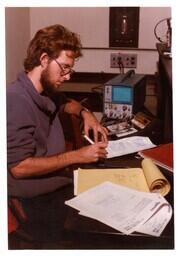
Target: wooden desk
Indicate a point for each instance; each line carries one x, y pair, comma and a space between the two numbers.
86, 233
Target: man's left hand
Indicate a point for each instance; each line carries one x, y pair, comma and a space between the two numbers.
91, 123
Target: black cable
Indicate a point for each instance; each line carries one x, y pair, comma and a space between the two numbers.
155, 28
121, 65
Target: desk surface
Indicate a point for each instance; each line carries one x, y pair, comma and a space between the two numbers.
86, 233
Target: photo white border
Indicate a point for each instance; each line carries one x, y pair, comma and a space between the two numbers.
177, 129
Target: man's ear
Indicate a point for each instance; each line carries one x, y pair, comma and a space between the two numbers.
44, 59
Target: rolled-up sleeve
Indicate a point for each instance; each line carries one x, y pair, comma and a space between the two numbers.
20, 129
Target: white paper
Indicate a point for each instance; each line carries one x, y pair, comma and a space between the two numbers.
156, 224
75, 181
117, 206
128, 145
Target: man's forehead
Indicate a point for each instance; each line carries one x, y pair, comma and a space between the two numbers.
67, 53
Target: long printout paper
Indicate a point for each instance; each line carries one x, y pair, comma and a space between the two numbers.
119, 207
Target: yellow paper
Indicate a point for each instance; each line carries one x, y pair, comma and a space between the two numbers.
149, 178
155, 179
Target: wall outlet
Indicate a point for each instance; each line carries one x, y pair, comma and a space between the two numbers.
123, 60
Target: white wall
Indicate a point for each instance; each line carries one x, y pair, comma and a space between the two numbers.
92, 23
17, 38
149, 17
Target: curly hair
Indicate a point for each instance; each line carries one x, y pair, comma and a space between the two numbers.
52, 40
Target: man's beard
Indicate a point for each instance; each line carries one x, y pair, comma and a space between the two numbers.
48, 87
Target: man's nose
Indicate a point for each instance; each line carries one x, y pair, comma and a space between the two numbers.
67, 77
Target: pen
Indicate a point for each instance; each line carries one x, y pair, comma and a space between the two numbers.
88, 139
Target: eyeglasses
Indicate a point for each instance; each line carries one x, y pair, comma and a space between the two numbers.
64, 70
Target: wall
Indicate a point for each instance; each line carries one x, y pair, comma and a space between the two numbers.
92, 23
17, 37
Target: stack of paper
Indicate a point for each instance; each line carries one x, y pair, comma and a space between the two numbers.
147, 179
126, 210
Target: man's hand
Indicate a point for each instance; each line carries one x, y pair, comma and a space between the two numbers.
91, 153
91, 123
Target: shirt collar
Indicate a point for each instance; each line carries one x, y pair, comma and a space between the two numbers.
43, 102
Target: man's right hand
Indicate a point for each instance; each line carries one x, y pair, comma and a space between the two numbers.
92, 153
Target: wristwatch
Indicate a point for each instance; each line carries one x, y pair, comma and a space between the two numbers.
83, 109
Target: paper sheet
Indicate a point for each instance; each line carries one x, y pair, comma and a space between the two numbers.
119, 207
149, 178
155, 179
88, 178
156, 224
128, 145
